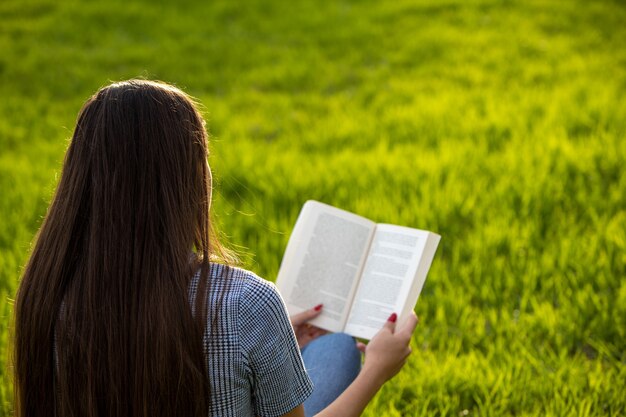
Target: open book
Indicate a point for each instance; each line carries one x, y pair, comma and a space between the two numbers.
361, 271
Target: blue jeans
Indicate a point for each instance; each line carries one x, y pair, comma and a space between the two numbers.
333, 362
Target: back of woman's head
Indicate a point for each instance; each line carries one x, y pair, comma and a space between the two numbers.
103, 322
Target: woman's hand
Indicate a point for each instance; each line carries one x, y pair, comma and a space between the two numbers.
387, 352
385, 355
305, 332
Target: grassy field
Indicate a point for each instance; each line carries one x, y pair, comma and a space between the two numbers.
499, 124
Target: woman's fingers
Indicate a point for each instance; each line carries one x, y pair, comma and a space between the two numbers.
408, 327
389, 349
316, 332
390, 324
306, 315
361, 346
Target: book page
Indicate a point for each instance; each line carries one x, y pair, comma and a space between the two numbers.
387, 279
323, 260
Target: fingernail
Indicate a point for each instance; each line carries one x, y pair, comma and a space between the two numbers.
393, 318
318, 307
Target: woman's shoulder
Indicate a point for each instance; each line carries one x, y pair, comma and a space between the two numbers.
240, 283
255, 302
239, 276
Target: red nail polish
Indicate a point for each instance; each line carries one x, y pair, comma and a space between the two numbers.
393, 318
318, 307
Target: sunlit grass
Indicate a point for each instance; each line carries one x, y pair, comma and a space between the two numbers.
500, 125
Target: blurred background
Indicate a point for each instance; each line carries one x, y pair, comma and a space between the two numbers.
498, 124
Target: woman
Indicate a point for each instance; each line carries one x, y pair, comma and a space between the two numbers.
121, 310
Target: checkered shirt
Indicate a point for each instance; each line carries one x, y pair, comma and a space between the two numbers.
254, 364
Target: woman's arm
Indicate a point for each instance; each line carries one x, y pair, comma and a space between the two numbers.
385, 355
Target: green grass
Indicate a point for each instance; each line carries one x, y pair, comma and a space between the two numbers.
499, 124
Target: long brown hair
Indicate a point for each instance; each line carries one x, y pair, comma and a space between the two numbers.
103, 325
